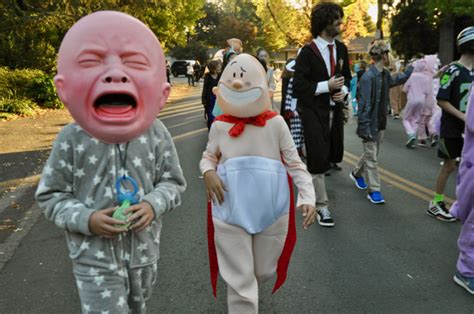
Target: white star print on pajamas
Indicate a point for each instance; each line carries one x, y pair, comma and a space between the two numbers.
78, 179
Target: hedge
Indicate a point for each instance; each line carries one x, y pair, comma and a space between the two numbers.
23, 91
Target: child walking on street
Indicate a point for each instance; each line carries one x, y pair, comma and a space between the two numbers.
208, 98
289, 109
372, 119
247, 165
114, 172
420, 101
452, 98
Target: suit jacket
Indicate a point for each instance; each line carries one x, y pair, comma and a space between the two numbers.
324, 144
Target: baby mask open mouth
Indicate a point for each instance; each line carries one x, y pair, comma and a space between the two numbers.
240, 98
115, 104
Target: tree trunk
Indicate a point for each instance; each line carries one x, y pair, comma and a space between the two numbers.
446, 40
378, 30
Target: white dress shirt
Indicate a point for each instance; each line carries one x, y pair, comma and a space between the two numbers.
322, 45
323, 87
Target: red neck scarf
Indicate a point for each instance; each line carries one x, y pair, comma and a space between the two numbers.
239, 123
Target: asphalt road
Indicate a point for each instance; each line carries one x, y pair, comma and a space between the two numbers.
389, 258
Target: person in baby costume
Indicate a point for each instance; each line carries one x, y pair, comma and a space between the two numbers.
251, 219
463, 208
111, 77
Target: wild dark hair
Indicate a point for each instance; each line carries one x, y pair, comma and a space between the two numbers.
212, 66
263, 63
324, 14
227, 56
260, 50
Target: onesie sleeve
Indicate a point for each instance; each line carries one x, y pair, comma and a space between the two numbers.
210, 157
55, 194
169, 179
470, 111
296, 168
461, 209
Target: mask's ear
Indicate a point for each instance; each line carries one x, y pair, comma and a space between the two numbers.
59, 83
164, 94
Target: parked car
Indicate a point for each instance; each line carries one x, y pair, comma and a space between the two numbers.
179, 67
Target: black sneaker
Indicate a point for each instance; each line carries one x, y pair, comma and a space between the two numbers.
324, 217
335, 167
439, 211
411, 142
434, 140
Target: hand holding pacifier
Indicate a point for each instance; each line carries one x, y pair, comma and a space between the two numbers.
125, 198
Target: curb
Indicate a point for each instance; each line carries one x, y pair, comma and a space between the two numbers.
25, 223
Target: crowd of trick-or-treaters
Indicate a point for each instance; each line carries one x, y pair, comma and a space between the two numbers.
114, 172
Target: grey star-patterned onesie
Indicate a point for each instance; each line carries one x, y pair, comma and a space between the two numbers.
113, 275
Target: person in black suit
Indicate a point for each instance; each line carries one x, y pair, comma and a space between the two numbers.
321, 83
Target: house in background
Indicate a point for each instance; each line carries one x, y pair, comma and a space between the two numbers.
358, 48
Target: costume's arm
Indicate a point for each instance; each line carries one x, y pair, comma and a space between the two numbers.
430, 97
296, 168
406, 86
346, 73
400, 78
55, 192
465, 182
303, 87
210, 157
169, 179
346, 70
365, 107
470, 112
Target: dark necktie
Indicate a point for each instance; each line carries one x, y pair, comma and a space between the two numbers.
332, 63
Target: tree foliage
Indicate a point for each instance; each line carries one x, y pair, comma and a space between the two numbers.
412, 18
32, 30
284, 23
438, 9
228, 19
194, 50
357, 22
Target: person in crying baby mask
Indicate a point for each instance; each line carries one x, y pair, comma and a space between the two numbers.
114, 172
248, 166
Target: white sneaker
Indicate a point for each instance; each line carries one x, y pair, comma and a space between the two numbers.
439, 211
324, 217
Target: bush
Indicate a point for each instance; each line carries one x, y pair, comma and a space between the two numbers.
19, 106
42, 90
23, 91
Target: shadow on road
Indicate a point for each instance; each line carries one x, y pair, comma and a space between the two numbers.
20, 165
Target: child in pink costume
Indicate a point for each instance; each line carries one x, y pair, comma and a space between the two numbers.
431, 107
420, 102
435, 119
463, 208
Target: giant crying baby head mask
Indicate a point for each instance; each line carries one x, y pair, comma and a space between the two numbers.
111, 76
243, 89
